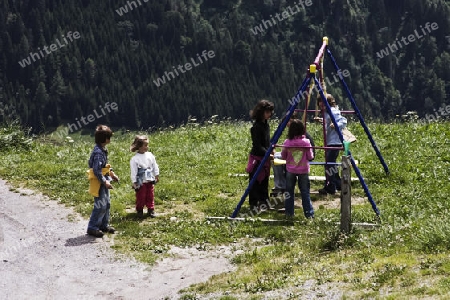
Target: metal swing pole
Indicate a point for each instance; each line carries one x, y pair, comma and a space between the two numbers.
358, 173
358, 113
273, 142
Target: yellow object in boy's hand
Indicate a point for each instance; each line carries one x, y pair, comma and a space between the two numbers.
94, 183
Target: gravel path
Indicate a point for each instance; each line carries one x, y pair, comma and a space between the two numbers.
44, 256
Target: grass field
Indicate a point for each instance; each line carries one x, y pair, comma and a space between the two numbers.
406, 257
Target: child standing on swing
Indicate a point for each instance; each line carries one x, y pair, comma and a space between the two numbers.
297, 152
144, 176
333, 182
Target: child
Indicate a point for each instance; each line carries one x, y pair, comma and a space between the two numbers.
144, 175
98, 223
279, 171
297, 151
333, 182
260, 133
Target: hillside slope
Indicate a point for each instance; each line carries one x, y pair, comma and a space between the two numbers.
61, 62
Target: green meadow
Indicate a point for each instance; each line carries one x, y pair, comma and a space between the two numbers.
405, 257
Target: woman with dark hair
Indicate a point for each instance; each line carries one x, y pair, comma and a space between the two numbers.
260, 133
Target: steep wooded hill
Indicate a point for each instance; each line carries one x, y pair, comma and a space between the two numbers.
61, 61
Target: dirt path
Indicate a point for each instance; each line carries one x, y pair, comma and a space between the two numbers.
44, 256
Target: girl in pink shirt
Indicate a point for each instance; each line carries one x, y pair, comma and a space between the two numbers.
297, 152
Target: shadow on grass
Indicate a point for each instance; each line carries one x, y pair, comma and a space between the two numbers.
133, 216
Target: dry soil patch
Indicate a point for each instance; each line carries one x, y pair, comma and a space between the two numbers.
44, 256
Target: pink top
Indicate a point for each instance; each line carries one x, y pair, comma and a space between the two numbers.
297, 159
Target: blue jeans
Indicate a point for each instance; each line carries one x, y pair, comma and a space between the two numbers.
100, 214
303, 184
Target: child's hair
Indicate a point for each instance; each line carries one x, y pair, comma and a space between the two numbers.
102, 133
257, 113
138, 142
296, 129
330, 99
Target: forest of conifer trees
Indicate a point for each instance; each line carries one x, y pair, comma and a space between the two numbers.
260, 48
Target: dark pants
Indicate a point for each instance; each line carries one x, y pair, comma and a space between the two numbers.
259, 193
332, 171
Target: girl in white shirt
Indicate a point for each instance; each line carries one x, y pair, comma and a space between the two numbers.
144, 175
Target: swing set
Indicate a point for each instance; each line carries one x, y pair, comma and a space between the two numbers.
304, 91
